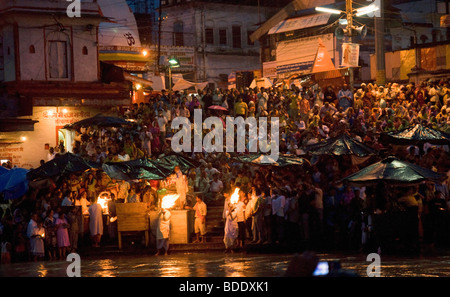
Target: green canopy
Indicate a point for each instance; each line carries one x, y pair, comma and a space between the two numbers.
267, 160
62, 165
99, 120
145, 168
417, 134
136, 169
340, 145
393, 171
174, 159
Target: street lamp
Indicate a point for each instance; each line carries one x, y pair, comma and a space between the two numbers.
173, 63
350, 12
329, 10
356, 12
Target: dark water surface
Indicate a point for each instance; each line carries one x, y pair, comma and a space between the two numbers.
217, 264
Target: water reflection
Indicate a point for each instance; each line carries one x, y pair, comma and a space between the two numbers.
42, 270
106, 268
220, 265
172, 269
232, 268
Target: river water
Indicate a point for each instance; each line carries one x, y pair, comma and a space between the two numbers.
216, 264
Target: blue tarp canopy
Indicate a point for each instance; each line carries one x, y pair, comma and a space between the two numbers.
13, 182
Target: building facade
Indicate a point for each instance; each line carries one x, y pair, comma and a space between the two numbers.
211, 38
50, 76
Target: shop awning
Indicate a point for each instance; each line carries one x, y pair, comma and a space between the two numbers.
183, 84
144, 82
284, 13
300, 23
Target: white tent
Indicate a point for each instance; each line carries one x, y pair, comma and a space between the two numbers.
183, 84
262, 82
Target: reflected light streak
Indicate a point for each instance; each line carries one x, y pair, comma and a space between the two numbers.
42, 271
106, 268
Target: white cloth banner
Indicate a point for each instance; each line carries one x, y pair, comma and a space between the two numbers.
350, 54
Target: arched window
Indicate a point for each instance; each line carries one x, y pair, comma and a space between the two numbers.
58, 55
32, 49
423, 38
85, 51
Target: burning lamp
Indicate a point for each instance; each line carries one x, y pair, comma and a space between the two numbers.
168, 201
103, 199
235, 196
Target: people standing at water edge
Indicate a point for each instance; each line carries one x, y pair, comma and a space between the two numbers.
231, 228
163, 232
96, 222
62, 235
200, 209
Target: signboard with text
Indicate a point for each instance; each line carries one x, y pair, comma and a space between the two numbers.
297, 56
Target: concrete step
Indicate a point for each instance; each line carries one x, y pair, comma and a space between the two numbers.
210, 238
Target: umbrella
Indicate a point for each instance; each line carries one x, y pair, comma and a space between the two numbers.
142, 168
62, 165
393, 171
14, 183
267, 160
217, 107
170, 161
340, 145
417, 134
99, 120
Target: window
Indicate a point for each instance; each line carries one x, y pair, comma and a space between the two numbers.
209, 35
223, 36
32, 49
178, 36
57, 57
85, 51
236, 30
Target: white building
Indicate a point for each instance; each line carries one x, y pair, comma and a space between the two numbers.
420, 23
214, 38
50, 76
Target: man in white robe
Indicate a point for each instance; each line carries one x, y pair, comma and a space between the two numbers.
163, 231
96, 222
181, 186
231, 228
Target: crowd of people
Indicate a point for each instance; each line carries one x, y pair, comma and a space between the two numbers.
276, 205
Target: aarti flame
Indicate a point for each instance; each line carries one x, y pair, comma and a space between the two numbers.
235, 196
168, 201
103, 199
